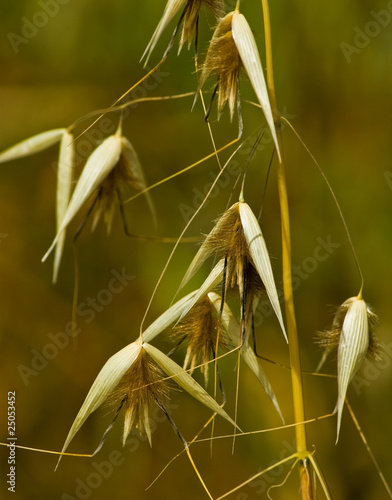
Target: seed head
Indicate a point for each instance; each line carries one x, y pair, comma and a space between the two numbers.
111, 167
190, 16
329, 340
233, 47
228, 240
238, 240
352, 336
126, 174
223, 60
130, 376
200, 330
140, 388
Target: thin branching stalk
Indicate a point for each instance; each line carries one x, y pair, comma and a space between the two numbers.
368, 449
166, 179
337, 204
274, 466
182, 233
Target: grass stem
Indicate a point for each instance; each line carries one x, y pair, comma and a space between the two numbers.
295, 361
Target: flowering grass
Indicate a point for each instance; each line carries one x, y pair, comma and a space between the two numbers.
217, 321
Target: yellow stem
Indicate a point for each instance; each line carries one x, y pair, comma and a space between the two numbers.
295, 362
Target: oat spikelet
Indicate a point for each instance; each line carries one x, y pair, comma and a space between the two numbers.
192, 15
250, 58
106, 381
232, 329
228, 240
200, 331
223, 61
184, 380
329, 339
130, 376
237, 239
232, 49
127, 174
352, 336
189, 16
141, 387
111, 167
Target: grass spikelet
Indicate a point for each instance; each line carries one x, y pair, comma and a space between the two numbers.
98, 166
184, 380
237, 238
329, 340
112, 166
232, 49
247, 48
200, 331
352, 336
126, 174
232, 328
189, 17
192, 16
223, 60
104, 384
140, 388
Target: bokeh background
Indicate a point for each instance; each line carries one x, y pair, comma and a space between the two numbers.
81, 56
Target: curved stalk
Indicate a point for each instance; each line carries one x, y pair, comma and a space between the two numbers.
295, 361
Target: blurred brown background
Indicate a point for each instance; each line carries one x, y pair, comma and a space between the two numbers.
76, 57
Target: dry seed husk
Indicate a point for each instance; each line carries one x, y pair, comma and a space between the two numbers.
201, 333
223, 60
232, 328
140, 387
33, 145
236, 235
247, 48
107, 379
65, 171
353, 346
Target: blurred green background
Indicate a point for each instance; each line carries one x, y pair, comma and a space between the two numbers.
83, 57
